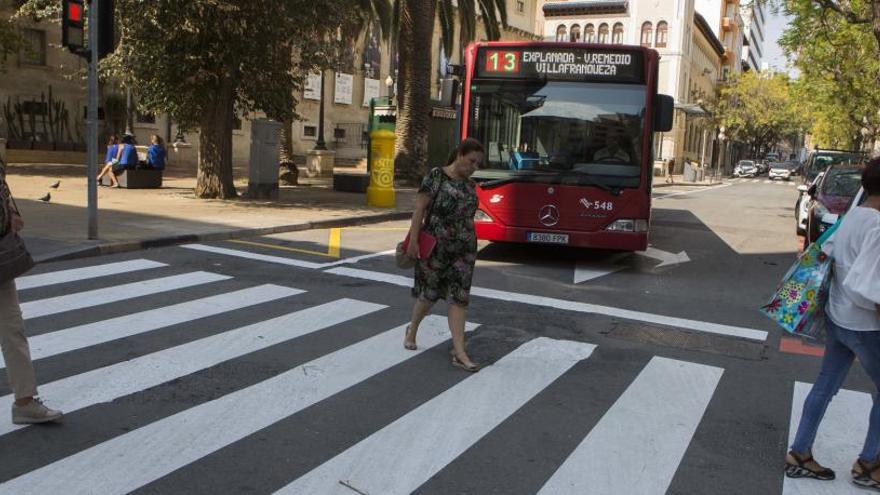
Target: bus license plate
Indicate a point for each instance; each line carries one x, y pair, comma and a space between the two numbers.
548, 238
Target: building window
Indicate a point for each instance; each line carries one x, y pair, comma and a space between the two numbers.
561, 33
146, 118
310, 131
603, 33
575, 34
34, 50
617, 36
589, 33
662, 31
520, 6
647, 33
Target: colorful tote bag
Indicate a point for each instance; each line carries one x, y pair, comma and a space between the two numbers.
798, 305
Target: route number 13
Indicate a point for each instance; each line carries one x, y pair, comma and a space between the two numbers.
497, 61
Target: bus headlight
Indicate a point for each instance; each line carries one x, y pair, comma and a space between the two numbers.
482, 216
628, 225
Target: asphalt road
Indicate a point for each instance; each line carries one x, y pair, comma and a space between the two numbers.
276, 363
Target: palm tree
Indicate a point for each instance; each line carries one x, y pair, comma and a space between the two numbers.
415, 28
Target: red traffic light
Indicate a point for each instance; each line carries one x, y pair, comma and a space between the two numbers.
75, 12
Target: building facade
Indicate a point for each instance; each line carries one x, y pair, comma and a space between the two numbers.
754, 14
724, 17
691, 58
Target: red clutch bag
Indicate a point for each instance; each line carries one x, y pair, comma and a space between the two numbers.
427, 243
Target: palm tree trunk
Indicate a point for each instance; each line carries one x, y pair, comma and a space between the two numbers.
288, 174
215, 178
414, 110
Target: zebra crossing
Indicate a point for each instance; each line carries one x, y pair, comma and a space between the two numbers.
790, 183
657, 414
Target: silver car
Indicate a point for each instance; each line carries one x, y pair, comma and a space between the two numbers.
745, 168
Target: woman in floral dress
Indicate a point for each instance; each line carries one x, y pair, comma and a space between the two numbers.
445, 208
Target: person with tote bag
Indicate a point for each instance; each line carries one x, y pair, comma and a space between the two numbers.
444, 246
15, 261
852, 331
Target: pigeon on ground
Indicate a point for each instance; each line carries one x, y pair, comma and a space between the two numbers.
56, 184
46, 198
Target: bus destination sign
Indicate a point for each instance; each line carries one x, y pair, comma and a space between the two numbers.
567, 64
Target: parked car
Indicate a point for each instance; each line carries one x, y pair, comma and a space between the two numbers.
820, 159
797, 168
832, 195
780, 171
831, 218
745, 168
772, 157
802, 207
763, 167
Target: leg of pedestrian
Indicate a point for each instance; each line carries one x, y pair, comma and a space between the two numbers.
835, 366
457, 315
19, 368
420, 310
866, 347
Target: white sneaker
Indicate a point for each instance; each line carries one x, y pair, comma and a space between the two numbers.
34, 412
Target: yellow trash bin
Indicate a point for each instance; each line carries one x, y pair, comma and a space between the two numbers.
380, 192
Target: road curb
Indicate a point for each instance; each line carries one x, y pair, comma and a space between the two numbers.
175, 240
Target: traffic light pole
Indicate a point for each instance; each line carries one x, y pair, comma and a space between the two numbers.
92, 121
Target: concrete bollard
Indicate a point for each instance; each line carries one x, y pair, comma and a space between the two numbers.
380, 192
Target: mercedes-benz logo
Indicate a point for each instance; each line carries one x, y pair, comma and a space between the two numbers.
548, 216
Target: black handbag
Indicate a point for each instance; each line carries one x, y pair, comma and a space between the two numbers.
15, 260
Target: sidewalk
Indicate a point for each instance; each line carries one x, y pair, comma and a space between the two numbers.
130, 219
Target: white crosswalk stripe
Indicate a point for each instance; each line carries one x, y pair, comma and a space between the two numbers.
79, 337
657, 415
128, 377
88, 299
394, 461
132, 460
661, 409
840, 438
89, 272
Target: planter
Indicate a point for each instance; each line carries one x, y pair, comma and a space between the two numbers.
65, 146
15, 144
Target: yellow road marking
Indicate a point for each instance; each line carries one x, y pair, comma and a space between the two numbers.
333, 243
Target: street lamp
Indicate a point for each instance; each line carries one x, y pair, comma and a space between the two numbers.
320, 144
389, 83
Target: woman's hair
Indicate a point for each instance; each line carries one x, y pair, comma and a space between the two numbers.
158, 139
128, 139
112, 140
871, 177
465, 147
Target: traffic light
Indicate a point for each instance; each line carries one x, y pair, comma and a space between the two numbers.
73, 26
106, 33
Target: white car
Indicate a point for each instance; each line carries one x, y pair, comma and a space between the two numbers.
780, 171
802, 208
745, 168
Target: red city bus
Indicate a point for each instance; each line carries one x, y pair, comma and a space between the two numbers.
568, 130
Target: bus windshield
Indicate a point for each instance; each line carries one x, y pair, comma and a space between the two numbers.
560, 131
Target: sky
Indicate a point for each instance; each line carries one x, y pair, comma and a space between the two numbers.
773, 55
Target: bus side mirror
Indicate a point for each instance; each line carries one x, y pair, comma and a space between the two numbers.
664, 106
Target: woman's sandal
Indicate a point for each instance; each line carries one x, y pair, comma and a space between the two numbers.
473, 368
864, 479
410, 346
800, 469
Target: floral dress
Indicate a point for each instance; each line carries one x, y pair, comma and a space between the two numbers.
447, 273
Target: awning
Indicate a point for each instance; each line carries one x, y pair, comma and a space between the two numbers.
693, 109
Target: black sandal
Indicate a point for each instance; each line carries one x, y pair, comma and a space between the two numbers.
800, 470
864, 479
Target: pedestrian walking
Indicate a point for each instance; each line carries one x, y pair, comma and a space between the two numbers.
670, 171
27, 408
852, 331
445, 208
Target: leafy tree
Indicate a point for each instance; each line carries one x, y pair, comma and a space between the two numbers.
415, 28
758, 109
839, 64
204, 61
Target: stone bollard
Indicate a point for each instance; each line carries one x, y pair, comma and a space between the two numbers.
380, 192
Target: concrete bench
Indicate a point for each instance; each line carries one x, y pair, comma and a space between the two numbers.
137, 179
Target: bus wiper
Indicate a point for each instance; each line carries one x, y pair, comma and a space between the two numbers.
507, 180
581, 178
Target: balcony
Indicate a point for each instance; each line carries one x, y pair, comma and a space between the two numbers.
726, 24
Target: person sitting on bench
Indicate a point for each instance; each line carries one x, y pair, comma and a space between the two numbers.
109, 158
156, 154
